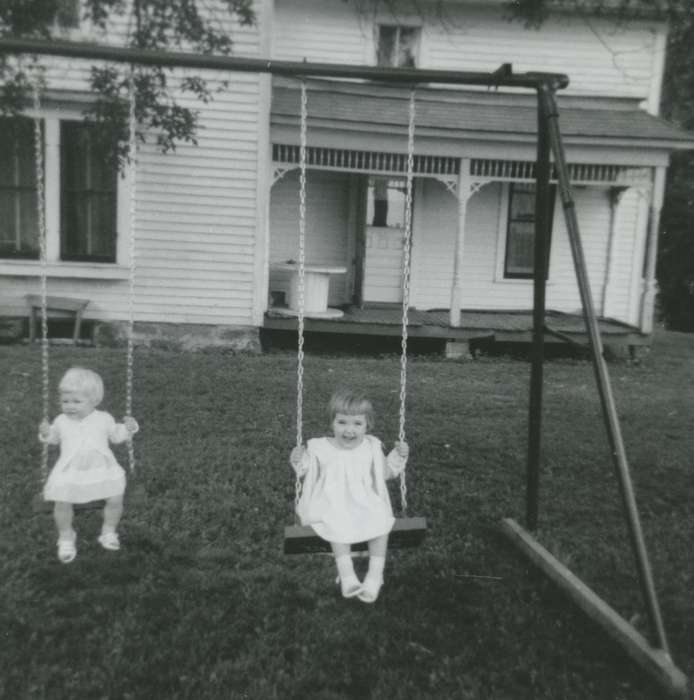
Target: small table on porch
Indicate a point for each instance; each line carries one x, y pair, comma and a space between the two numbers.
316, 288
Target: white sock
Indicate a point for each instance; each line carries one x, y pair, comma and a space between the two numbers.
345, 567
376, 566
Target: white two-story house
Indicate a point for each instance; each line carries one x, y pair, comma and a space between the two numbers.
217, 223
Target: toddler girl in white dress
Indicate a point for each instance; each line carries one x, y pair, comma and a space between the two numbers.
344, 496
86, 469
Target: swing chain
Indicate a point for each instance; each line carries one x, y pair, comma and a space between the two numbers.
301, 283
43, 254
407, 244
132, 154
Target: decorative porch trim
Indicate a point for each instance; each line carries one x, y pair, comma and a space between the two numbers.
446, 169
365, 161
580, 173
279, 171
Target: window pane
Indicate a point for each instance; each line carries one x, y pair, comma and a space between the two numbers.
523, 205
8, 221
74, 225
397, 46
407, 49
103, 238
28, 224
103, 175
18, 215
88, 222
74, 144
386, 200
17, 161
387, 37
520, 234
519, 254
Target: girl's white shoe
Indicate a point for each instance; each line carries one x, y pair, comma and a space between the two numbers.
370, 589
66, 549
350, 586
109, 540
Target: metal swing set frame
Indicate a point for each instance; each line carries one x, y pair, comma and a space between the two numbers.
653, 657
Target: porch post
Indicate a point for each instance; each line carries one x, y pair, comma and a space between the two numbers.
615, 194
457, 286
649, 281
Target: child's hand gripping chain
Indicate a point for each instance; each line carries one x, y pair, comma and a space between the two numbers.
131, 425
298, 458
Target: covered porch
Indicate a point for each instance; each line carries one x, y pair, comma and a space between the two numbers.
472, 239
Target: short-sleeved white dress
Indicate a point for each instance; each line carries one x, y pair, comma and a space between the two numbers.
344, 496
86, 469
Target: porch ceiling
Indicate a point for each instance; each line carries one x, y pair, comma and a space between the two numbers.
469, 114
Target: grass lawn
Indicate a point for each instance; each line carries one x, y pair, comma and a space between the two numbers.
201, 603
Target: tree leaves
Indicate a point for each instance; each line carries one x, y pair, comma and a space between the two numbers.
155, 25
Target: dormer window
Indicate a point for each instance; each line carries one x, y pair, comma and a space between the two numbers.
397, 46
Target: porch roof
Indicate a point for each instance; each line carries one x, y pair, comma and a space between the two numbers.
468, 114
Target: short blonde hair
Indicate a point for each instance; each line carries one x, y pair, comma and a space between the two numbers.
351, 403
84, 380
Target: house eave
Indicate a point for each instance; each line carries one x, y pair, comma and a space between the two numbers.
286, 125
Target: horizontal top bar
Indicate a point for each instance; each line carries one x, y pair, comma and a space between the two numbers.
406, 76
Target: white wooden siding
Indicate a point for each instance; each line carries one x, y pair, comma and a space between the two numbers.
327, 217
198, 207
618, 303
600, 56
433, 245
593, 213
325, 31
433, 240
196, 212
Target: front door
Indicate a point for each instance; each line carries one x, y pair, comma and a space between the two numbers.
384, 236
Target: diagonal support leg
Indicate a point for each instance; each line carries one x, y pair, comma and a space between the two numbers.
656, 662
601, 374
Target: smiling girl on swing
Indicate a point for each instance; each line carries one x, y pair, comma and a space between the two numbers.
344, 497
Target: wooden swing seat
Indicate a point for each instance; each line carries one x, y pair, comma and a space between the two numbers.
135, 495
302, 539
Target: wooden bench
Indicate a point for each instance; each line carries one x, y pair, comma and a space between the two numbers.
56, 307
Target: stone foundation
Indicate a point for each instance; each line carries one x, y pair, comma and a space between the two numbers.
179, 337
12, 330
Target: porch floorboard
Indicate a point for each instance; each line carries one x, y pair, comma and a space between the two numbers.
503, 326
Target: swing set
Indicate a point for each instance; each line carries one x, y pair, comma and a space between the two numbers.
653, 657
406, 532
135, 491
